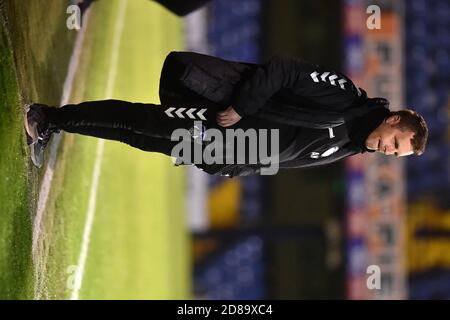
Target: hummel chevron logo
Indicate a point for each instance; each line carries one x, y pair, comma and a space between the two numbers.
341, 83
191, 113
169, 112
314, 76
332, 79
324, 76
179, 112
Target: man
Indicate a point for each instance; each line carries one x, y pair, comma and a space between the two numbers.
320, 115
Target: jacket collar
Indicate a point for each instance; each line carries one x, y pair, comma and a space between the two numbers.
361, 127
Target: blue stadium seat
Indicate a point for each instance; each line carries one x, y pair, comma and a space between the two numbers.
427, 89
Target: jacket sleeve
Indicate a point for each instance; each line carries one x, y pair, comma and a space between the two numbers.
302, 163
241, 170
317, 83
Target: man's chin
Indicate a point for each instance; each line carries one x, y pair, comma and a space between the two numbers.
373, 146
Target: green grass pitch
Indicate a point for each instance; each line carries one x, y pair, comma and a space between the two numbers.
139, 245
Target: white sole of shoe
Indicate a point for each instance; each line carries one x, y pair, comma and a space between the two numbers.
33, 157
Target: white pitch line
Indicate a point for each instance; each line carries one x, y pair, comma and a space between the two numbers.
44, 190
100, 147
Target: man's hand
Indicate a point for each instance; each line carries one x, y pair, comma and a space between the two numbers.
228, 117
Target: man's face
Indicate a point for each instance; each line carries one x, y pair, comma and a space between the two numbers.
390, 140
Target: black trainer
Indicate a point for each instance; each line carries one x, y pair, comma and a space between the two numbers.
37, 148
39, 132
35, 122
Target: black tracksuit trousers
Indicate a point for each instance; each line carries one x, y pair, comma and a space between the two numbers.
143, 126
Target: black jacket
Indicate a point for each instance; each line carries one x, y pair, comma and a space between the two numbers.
285, 89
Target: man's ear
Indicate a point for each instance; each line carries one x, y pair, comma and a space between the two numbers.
392, 120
